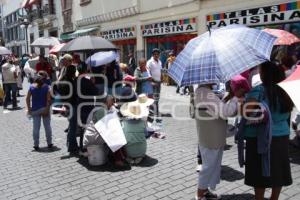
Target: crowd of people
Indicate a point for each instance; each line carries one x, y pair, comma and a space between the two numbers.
262, 112
74, 88
86, 93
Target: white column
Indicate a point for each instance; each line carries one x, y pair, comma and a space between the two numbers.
140, 46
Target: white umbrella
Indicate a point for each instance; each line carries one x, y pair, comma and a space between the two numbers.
101, 58
291, 84
45, 42
4, 51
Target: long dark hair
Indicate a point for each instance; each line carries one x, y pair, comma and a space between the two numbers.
272, 73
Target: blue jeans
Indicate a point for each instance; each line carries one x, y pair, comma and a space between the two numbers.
36, 119
10, 90
71, 137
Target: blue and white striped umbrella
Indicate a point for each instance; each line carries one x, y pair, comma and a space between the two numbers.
218, 55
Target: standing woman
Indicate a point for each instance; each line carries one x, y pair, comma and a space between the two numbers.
280, 106
38, 103
143, 79
211, 114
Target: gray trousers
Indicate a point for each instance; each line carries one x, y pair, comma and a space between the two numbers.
36, 119
210, 174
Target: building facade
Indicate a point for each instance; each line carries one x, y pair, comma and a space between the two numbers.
13, 34
140, 25
43, 16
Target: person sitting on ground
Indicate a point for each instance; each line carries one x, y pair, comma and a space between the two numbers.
93, 137
134, 128
38, 101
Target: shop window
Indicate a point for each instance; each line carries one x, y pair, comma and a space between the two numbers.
126, 47
53, 33
168, 43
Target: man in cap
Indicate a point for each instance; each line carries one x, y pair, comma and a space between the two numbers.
155, 67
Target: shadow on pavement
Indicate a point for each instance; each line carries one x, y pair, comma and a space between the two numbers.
47, 150
148, 162
108, 167
13, 109
166, 115
238, 197
229, 174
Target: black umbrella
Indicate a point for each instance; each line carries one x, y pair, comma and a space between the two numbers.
88, 44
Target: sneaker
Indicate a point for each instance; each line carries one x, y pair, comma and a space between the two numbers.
199, 168
211, 196
198, 198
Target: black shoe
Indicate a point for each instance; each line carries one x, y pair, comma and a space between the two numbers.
37, 148
16, 107
211, 196
50, 146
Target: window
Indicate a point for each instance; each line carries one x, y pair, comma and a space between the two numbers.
53, 33
66, 4
84, 2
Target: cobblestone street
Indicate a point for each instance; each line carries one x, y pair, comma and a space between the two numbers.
168, 172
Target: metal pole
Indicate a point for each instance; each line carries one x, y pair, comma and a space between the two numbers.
26, 38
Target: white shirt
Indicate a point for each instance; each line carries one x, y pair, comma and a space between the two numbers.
9, 72
155, 69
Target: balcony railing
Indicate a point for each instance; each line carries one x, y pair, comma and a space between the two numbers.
48, 10
35, 14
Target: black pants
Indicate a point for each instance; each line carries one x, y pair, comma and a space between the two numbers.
10, 92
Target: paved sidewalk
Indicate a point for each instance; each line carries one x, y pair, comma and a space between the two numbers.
167, 173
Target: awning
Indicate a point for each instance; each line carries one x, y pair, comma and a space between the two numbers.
27, 3
66, 36
24, 3
83, 32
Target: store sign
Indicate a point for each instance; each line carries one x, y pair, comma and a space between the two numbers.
178, 26
282, 13
119, 34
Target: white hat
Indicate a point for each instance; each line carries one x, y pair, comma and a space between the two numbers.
134, 110
144, 100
